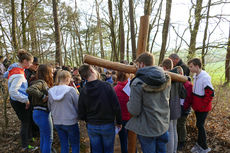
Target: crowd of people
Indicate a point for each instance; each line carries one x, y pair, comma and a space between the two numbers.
148, 103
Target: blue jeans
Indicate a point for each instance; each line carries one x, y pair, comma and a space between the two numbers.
153, 144
123, 135
101, 137
43, 120
69, 133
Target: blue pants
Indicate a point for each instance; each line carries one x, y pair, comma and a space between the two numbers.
43, 120
153, 144
69, 133
123, 135
101, 137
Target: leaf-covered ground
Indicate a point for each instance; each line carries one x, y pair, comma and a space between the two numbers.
217, 125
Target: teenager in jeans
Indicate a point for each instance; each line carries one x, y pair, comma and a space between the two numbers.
17, 85
149, 105
123, 98
99, 108
203, 93
38, 92
63, 105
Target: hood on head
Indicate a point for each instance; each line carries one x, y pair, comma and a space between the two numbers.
152, 75
58, 92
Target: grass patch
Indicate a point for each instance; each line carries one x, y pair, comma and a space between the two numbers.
216, 71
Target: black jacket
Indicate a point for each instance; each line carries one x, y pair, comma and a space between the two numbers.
98, 104
184, 67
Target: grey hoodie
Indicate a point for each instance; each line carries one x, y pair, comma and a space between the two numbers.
63, 105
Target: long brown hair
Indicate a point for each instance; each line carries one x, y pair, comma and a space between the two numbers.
44, 72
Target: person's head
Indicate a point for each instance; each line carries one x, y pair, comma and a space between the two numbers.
122, 76
114, 78
194, 65
77, 78
175, 58
145, 59
87, 72
63, 77
25, 58
108, 74
179, 70
45, 72
1, 59
34, 65
167, 64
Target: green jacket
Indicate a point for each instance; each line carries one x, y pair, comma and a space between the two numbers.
37, 91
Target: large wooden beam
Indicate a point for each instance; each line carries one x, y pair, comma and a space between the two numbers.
108, 64
125, 68
143, 35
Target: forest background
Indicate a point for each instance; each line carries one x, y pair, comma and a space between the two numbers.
62, 31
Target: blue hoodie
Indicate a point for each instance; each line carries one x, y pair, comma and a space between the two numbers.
17, 83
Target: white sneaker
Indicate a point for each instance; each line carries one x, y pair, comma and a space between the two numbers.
196, 149
205, 151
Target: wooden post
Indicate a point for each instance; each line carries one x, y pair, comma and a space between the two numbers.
143, 34
141, 47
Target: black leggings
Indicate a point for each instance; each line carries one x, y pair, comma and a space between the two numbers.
200, 120
24, 116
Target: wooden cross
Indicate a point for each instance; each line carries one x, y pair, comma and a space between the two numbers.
141, 47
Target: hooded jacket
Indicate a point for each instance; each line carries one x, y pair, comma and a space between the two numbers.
98, 104
37, 91
63, 105
17, 83
149, 102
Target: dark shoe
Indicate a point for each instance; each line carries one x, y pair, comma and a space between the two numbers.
180, 146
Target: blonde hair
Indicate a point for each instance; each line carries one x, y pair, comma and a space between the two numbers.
61, 76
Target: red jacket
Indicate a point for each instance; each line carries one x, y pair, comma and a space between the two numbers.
203, 93
188, 99
123, 99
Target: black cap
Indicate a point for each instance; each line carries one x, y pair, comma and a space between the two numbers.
35, 60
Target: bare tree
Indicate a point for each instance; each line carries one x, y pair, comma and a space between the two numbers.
205, 36
132, 28
32, 28
14, 37
165, 30
99, 29
122, 32
112, 25
195, 28
227, 60
24, 41
57, 33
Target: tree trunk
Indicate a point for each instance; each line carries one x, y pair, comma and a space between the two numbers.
227, 60
122, 32
58, 57
24, 41
127, 44
165, 30
194, 30
14, 37
33, 29
205, 36
112, 26
99, 30
132, 28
